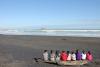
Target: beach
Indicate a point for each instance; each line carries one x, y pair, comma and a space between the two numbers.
19, 50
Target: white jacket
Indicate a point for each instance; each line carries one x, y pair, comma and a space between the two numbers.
83, 56
45, 56
73, 56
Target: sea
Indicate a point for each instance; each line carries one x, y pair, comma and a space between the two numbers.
52, 32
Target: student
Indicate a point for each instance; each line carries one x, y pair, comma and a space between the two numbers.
45, 55
68, 55
83, 55
63, 56
52, 56
73, 56
78, 55
89, 56
57, 55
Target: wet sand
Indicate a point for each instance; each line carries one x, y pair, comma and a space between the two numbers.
19, 51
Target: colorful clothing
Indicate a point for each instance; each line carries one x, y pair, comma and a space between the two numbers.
45, 56
78, 56
83, 56
52, 57
58, 57
63, 56
89, 57
73, 57
69, 57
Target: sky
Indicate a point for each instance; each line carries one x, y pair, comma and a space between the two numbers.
81, 14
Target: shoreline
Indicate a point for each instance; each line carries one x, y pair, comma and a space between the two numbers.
51, 36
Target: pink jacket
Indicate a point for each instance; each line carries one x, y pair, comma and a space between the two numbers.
89, 57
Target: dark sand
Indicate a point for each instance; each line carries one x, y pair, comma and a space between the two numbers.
19, 51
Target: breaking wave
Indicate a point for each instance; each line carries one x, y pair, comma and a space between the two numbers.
82, 33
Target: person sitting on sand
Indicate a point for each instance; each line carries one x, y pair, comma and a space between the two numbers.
57, 55
83, 55
68, 55
45, 55
52, 56
63, 56
89, 56
73, 56
78, 55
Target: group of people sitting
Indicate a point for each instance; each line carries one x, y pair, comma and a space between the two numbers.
67, 56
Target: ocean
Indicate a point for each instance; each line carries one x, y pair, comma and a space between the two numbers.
49, 32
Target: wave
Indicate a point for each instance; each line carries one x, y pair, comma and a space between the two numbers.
82, 33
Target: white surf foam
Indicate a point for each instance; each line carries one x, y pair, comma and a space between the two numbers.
84, 33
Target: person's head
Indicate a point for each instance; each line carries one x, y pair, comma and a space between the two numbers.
73, 52
68, 52
77, 51
45, 50
52, 51
83, 52
57, 51
63, 51
89, 52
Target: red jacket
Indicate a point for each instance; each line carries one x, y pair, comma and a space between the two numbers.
63, 56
